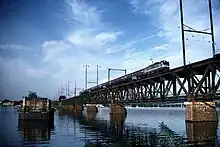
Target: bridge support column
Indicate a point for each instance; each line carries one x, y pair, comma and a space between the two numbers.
77, 108
117, 109
92, 109
117, 119
91, 115
74, 107
201, 112
203, 133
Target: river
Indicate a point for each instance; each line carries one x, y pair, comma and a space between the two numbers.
141, 127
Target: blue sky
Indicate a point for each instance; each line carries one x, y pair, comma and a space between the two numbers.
45, 43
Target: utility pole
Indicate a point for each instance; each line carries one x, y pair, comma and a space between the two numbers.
66, 90
182, 31
61, 89
191, 30
86, 75
98, 74
109, 72
75, 89
212, 29
86, 66
58, 92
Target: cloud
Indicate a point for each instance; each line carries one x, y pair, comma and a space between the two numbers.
166, 16
106, 37
146, 7
18, 76
62, 60
95, 40
92, 40
84, 15
36, 73
93, 45
129, 44
161, 47
12, 46
54, 49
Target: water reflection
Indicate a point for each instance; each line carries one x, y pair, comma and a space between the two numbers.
202, 134
116, 132
74, 115
100, 129
35, 132
91, 116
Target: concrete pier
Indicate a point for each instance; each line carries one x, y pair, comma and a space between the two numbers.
201, 134
78, 108
91, 116
117, 109
117, 119
75, 108
91, 109
201, 112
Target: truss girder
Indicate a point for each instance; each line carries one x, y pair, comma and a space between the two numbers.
175, 86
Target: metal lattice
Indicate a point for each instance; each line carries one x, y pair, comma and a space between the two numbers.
198, 81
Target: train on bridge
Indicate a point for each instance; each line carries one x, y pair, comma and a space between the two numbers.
158, 82
155, 68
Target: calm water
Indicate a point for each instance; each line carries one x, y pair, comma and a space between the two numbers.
141, 127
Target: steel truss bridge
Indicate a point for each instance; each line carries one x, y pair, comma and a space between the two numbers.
197, 81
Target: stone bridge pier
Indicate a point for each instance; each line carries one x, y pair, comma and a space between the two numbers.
91, 108
117, 108
73, 107
201, 111
201, 133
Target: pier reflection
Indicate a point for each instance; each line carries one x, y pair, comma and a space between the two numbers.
115, 132
71, 114
35, 132
117, 123
91, 116
202, 134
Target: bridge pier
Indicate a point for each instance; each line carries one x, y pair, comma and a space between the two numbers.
117, 109
203, 133
201, 112
92, 108
74, 107
91, 115
78, 108
117, 119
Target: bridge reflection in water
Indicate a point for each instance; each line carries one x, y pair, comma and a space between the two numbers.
116, 133
35, 132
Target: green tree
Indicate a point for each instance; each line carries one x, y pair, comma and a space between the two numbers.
32, 94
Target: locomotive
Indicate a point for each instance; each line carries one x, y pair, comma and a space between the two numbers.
158, 67
154, 68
